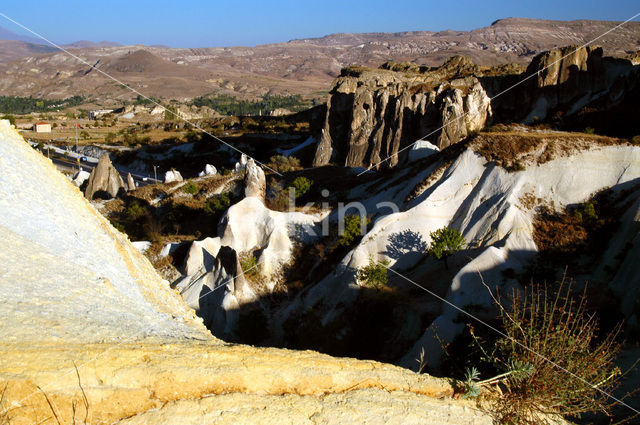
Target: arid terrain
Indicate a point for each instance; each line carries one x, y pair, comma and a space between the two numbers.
416, 228
305, 66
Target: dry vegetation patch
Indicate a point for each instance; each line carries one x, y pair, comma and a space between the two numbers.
514, 148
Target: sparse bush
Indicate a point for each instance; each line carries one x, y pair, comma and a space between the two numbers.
84, 135
301, 186
190, 188
374, 274
635, 140
283, 164
517, 166
445, 242
278, 198
352, 229
543, 333
217, 204
589, 130
248, 263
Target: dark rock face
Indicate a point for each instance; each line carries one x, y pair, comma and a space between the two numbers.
104, 181
373, 114
566, 78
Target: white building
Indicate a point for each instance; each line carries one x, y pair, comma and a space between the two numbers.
42, 127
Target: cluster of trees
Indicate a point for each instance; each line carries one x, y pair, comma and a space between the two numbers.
230, 105
27, 105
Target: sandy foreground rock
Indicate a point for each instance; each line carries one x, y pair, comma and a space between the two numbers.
92, 334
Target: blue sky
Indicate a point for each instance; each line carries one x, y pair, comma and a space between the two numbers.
250, 22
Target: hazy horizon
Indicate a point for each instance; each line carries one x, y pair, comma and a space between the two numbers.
213, 24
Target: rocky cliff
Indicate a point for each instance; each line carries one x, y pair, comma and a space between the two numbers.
374, 114
91, 334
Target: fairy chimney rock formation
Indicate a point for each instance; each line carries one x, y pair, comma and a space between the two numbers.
104, 181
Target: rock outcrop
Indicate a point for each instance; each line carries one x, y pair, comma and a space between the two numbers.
104, 181
213, 262
131, 184
80, 177
374, 114
172, 176
255, 184
491, 190
96, 333
209, 170
218, 290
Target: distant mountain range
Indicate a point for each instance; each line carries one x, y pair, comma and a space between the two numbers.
302, 66
15, 46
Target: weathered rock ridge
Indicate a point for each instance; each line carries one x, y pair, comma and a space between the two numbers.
374, 114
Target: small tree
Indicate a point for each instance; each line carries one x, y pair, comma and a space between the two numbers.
444, 242
353, 227
301, 185
374, 274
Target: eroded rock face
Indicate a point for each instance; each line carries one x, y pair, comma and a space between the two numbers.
373, 114
104, 181
217, 290
255, 184
566, 76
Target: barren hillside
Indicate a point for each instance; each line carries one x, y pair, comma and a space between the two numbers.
299, 66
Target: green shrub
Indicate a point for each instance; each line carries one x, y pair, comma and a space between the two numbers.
190, 188
374, 274
84, 135
283, 164
589, 130
586, 212
217, 204
545, 331
136, 210
248, 263
352, 229
301, 186
444, 242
